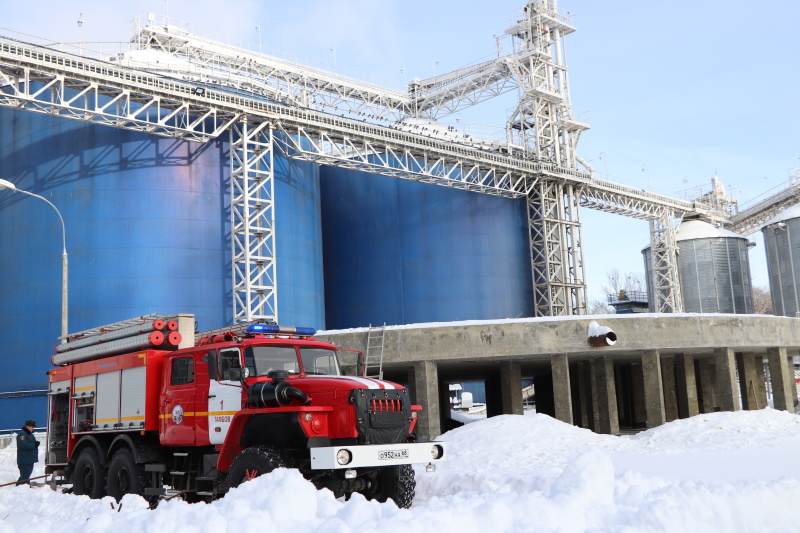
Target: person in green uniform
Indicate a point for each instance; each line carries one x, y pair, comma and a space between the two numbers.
27, 451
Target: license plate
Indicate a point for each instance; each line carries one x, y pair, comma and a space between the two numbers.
393, 454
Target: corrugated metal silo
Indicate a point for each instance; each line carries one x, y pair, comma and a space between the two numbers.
148, 230
403, 252
714, 269
782, 242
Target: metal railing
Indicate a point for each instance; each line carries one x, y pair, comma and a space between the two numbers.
624, 296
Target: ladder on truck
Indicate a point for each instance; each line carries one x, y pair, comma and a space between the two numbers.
374, 355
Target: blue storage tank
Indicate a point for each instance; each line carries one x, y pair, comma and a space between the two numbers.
148, 231
403, 252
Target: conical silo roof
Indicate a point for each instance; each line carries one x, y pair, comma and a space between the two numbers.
699, 229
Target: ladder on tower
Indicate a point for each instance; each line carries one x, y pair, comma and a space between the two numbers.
374, 355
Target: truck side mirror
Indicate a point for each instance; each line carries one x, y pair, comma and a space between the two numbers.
360, 367
238, 374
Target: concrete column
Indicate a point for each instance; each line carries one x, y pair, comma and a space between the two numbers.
727, 389
584, 390
562, 393
790, 381
761, 382
686, 385
783, 394
591, 374
606, 405
670, 390
708, 386
747, 381
426, 393
511, 387
653, 389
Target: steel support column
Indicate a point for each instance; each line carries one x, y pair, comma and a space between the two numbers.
554, 228
255, 293
664, 265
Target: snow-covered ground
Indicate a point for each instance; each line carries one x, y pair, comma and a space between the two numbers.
731, 472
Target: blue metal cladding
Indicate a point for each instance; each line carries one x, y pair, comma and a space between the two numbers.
298, 244
148, 231
403, 252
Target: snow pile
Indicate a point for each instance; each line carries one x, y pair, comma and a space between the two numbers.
732, 472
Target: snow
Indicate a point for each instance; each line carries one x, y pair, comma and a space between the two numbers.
733, 472
787, 214
539, 319
699, 229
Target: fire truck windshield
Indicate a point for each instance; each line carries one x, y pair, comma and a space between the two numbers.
260, 360
319, 361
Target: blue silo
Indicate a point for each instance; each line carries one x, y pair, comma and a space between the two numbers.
148, 231
403, 252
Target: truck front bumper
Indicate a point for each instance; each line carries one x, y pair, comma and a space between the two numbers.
376, 455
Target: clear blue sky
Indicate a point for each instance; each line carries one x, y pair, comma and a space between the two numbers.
684, 89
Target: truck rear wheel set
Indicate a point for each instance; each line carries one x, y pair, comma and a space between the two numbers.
89, 475
125, 476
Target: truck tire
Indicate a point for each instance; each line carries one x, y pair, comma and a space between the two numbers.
395, 482
124, 475
88, 477
253, 462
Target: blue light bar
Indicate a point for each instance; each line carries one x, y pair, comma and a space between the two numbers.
271, 329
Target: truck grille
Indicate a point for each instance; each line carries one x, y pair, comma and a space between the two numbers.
382, 416
386, 405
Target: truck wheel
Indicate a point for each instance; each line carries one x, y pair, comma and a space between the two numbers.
253, 462
395, 482
88, 478
124, 475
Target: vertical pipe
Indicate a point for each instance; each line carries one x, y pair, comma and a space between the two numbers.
64, 295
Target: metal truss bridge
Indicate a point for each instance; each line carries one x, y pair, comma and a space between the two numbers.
201, 89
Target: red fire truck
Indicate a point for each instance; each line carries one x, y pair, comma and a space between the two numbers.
131, 411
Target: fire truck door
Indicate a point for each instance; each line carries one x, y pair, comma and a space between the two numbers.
225, 394
178, 401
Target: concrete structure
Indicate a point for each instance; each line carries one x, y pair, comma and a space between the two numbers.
662, 367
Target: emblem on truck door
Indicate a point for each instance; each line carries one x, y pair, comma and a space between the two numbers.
177, 414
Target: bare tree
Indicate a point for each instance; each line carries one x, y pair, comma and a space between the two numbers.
630, 281
600, 307
762, 301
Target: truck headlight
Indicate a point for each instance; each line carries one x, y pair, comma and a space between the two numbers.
344, 457
436, 452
